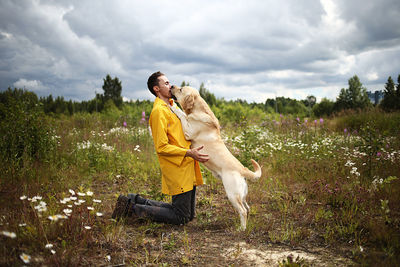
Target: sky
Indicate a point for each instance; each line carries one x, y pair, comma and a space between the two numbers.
250, 50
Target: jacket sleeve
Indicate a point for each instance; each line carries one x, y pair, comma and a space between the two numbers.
159, 126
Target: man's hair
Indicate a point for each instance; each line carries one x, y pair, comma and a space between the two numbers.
153, 81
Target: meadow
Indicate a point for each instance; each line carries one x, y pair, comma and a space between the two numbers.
329, 195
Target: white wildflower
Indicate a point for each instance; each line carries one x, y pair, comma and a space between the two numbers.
67, 211
23, 197
65, 200
53, 218
36, 198
25, 258
99, 214
9, 234
42, 207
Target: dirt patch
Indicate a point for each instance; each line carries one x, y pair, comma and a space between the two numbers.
273, 256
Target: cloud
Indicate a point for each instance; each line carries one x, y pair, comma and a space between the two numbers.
251, 50
32, 85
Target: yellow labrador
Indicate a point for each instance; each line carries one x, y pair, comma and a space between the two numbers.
202, 127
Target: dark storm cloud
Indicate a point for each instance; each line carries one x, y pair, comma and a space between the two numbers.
263, 48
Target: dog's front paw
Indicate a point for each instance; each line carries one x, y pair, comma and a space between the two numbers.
176, 110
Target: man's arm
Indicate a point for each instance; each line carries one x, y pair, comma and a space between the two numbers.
159, 123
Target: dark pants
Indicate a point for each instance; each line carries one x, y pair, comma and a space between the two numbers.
180, 211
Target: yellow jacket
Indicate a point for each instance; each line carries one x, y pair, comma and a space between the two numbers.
179, 173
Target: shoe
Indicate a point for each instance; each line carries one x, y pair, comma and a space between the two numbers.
121, 208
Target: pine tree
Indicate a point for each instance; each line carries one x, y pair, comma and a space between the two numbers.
112, 90
391, 99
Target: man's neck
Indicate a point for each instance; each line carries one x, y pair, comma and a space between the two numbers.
166, 100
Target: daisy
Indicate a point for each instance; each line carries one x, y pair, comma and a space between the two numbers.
25, 258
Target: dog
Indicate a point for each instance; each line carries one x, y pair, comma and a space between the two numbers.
202, 128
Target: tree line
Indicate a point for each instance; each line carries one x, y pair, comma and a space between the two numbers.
353, 97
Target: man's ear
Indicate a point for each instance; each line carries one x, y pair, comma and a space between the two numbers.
156, 89
188, 103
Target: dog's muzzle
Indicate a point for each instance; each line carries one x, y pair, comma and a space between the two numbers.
173, 96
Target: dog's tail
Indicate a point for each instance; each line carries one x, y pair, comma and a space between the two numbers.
252, 175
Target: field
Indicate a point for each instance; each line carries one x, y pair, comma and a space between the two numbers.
329, 195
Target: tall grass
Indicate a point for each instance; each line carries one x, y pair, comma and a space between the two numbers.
321, 187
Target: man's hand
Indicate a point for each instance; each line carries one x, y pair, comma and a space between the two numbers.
195, 154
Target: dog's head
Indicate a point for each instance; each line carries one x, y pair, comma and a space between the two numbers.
185, 96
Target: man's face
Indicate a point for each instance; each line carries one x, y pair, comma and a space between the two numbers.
163, 87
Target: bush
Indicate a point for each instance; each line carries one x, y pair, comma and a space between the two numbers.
24, 133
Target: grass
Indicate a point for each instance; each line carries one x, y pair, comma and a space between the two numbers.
322, 187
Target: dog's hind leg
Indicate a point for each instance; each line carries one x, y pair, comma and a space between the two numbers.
234, 191
237, 203
244, 199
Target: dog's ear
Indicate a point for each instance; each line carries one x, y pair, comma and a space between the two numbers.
188, 103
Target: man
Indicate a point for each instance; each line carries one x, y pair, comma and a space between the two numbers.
179, 164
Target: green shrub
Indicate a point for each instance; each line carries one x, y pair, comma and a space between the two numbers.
24, 132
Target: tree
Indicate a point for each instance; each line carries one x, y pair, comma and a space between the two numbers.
391, 95
324, 108
309, 101
354, 97
398, 86
207, 96
183, 84
112, 90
